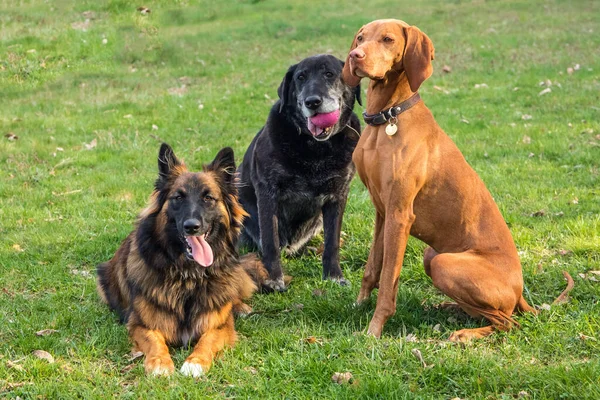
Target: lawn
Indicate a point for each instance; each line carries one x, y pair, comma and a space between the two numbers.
89, 90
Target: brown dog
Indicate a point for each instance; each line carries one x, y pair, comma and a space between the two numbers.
421, 185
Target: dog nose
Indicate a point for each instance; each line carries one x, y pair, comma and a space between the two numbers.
191, 226
357, 53
313, 102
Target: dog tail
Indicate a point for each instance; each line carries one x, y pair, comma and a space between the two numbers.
522, 306
256, 269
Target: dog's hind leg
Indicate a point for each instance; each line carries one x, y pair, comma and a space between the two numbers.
152, 343
483, 287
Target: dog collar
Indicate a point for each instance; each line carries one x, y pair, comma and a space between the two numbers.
384, 116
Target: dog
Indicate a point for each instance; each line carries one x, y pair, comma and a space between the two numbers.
296, 173
421, 185
177, 278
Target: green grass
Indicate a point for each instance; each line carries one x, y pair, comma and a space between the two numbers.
64, 208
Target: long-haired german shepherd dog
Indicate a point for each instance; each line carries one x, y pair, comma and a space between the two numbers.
177, 278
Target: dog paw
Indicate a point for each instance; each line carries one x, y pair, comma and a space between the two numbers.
159, 366
341, 281
242, 310
192, 369
274, 285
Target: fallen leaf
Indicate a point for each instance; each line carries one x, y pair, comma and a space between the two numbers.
178, 91
127, 368
526, 117
17, 247
312, 340
410, 338
545, 307
481, 86
417, 353
81, 26
104, 41
585, 337
252, 370
441, 89
91, 145
298, 306
46, 332
545, 91
318, 292
154, 127
464, 121
14, 365
134, 355
43, 355
564, 252
526, 139
437, 327
446, 69
522, 394
127, 116
85, 274
575, 200
539, 213
144, 10
570, 71
576, 67
341, 377
11, 136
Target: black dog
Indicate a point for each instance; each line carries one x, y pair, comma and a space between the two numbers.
296, 174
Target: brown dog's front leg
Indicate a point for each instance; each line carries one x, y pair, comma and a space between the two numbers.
210, 343
395, 236
152, 343
373, 267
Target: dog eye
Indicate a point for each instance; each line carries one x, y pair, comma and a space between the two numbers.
329, 74
301, 77
209, 199
388, 39
359, 38
177, 197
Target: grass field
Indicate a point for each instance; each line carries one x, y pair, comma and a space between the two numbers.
89, 89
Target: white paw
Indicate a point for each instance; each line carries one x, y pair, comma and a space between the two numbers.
192, 369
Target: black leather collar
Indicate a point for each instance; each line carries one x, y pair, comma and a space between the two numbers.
385, 115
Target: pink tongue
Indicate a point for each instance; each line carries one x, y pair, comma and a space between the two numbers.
318, 123
201, 250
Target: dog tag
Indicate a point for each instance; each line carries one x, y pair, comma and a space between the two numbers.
391, 129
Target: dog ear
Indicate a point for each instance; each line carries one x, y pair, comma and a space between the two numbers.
167, 161
287, 89
347, 76
358, 95
223, 164
418, 54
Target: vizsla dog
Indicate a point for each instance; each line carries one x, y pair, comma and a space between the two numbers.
422, 186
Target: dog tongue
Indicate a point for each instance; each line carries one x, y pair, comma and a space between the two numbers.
318, 123
201, 250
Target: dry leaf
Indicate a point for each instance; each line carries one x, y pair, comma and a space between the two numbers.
437, 327
575, 200
481, 86
178, 91
564, 252
545, 91
312, 340
417, 353
441, 89
318, 292
252, 370
539, 213
134, 355
526, 117
585, 337
144, 10
526, 139
91, 145
11, 136
81, 26
43, 355
464, 121
545, 307
14, 365
341, 377
522, 394
17, 247
410, 338
576, 67
570, 71
446, 69
127, 368
154, 127
46, 332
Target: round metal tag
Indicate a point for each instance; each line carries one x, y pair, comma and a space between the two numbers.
391, 129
